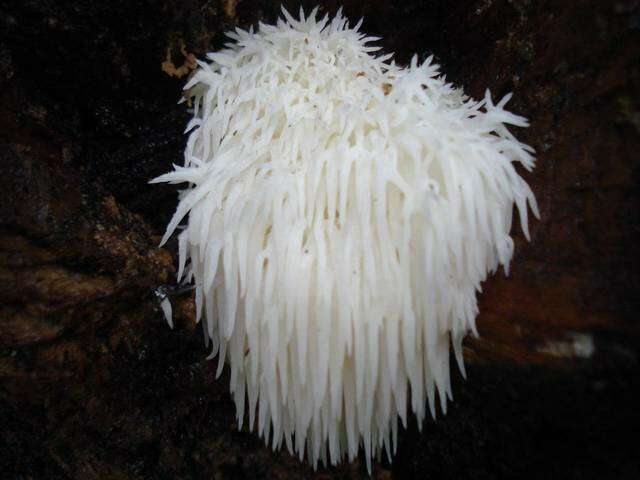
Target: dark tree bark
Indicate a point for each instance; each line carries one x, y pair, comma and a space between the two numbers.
93, 384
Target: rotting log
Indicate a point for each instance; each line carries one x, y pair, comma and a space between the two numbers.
93, 384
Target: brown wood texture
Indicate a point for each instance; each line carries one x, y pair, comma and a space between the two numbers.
93, 384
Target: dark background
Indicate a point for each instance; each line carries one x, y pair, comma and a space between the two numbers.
93, 384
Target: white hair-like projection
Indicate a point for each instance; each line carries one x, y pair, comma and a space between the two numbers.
342, 213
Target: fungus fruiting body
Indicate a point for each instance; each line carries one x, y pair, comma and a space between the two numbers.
342, 213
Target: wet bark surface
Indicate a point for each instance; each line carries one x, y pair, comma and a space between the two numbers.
93, 384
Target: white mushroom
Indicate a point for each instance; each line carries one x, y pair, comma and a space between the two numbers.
342, 213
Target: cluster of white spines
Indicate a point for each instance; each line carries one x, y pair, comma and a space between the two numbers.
343, 211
